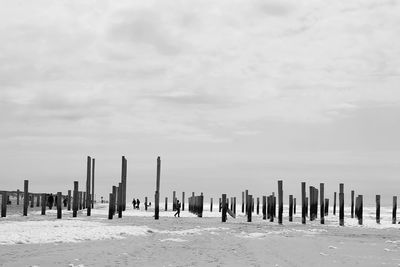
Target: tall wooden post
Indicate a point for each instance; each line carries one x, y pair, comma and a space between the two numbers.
123, 181
303, 203
166, 203
115, 197
69, 200
75, 204
394, 211
290, 208
43, 204
234, 205
110, 207
220, 205
322, 205
378, 209
242, 202
311, 199
18, 192
26, 197
326, 206
248, 200
258, 205
83, 200
183, 201
294, 205
280, 200
360, 218
93, 164
173, 200
352, 204
59, 205
4, 204
120, 199
223, 206
341, 204
264, 208
88, 177
334, 203
157, 194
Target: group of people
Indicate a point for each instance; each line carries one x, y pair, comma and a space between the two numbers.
136, 203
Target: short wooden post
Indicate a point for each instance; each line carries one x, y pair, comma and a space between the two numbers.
120, 199
173, 200
69, 200
26, 197
290, 208
360, 218
166, 203
183, 201
3, 204
224, 206
334, 203
201, 202
274, 204
341, 204
234, 205
248, 200
43, 203
246, 193
220, 205
75, 204
83, 200
271, 208
157, 193
294, 205
307, 206
242, 202
145, 203
115, 197
394, 211
38, 200
326, 206
258, 205
352, 204
280, 199
311, 199
80, 200
303, 203
322, 205
110, 207
378, 209
264, 208
59, 205
18, 192
87, 199
211, 204
32, 200
252, 204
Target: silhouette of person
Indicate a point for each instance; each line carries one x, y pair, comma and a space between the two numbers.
178, 208
134, 203
137, 203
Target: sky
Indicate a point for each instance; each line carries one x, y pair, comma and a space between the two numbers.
232, 95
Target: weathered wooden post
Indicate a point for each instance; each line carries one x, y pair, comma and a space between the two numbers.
271, 208
59, 205
211, 204
280, 199
248, 200
234, 205
311, 199
290, 208
231, 208
220, 205
69, 200
307, 206
83, 200
352, 204
88, 203
274, 204
252, 204
334, 203
4, 204
357, 208
201, 199
173, 200
115, 197
242, 202
110, 207
145, 203
120, 199
394, 211
183, 201
32, 200
294, 205
157, 194
93, 163
326, 206
258, 205
166, 203
76, 199
303, 203
43, 204
26, 198
322, 205
341, 204
80, 200
223, 207
360, 218
38, 200
123, 181
18, 192
378, 209
264, 208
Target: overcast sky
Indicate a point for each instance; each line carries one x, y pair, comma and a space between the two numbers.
232, 95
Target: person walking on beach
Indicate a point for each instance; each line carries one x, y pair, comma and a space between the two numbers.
178, 208
134, 203
137, 203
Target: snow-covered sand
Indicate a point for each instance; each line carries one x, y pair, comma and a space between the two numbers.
138, 240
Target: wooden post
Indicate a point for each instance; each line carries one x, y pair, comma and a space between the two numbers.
352, 204
294, 205
248, 200
394, 211
38, 200
280, 199
274, 204
26, 197
93, 163
307, 206
271, 208
258, 205
264, 208
110, 207
3, 204
378, 209
32, 200
69, 200
166, 203
183, 201
326, 206
115, 197
322, 205
220, 205
201, 202
59, 205
157, 194
334, 203
242, 202
173, 200
341, 204
211, 204
311, 199
303, 203
80, 200
43, 204
145, 204
123, 182
360, 219
252, 204
234, 205
83, 200
223, 204
18, 192
88, 177
76, 199
290, 208
120, 199
231, 208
